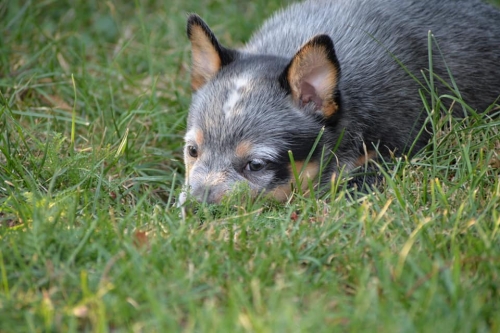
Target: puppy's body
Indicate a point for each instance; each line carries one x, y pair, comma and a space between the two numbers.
251, 106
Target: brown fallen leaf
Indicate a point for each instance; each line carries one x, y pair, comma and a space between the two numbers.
141, 239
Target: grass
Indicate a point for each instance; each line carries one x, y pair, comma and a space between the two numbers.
92, 112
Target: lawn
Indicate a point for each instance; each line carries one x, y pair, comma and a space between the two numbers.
93, 104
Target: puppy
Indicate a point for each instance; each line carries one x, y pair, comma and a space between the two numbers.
332, 84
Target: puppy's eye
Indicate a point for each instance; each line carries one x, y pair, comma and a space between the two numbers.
192, 151
255, 165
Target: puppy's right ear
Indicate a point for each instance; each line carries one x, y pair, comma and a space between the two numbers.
313, 74
208, 56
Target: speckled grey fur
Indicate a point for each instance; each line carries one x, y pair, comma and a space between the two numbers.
380, 103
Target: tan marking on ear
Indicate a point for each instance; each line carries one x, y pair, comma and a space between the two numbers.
365, 158
243, 149
312, 60
329, 108
206, 61
283, 192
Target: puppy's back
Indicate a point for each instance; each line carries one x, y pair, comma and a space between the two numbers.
363, 31
380, 99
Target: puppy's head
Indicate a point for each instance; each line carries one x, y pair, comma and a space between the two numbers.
248, 111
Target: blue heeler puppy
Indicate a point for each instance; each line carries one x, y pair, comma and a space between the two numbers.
329, 64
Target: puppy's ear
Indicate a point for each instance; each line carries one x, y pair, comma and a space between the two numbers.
313, 74
208, 56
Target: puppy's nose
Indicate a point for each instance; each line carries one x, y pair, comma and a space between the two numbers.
208, 194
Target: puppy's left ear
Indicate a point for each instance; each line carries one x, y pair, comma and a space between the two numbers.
313, 74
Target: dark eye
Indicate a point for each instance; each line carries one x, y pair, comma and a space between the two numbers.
192, 151
255, 165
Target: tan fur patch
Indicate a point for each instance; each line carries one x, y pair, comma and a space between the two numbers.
365, 158
283, 192
243, 149
312, 61
198, 137
308, 174
206, 59
215, 178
